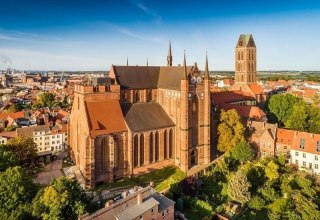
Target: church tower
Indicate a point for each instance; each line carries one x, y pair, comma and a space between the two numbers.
184, 120
245, 60
169, 57
206, 118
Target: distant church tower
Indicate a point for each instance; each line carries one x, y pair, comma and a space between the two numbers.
246, 60
169, 57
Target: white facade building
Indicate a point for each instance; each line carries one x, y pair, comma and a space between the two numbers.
48, 139
306, 161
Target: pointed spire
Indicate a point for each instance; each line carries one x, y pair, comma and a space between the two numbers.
147, 62
169, 57
127, 61
206, 74
185, 67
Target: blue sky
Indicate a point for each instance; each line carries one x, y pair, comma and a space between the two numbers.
92, 35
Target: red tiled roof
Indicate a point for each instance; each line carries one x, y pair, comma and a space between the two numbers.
9, 134
310, 145
284, 136
255, 88
13, 115
309, 93
105, 117
246, 111
220, 98
61, 114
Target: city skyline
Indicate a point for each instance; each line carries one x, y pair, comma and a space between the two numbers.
81, 35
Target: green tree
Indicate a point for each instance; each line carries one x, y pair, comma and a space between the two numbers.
230, 130
243, 152
46, 99
272, 170
268, 192
298, 119
256, 177
281, 106
238, 187
7, 159
257, 203
16, 189
306, 208
23, 147
201, 207
62, 199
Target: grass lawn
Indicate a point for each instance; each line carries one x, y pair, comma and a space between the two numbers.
162, 179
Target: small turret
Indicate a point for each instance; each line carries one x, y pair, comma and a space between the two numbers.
169, 57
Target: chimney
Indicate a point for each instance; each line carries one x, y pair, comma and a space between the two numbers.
135, 189
126, 193
151, 184
139, 199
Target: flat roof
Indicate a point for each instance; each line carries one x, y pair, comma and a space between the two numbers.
137, 210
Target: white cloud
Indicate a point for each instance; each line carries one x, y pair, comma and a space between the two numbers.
147, 10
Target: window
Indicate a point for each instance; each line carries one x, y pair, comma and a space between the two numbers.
53, 136
318, 146
141, 217
167, 211
53, 142
285, 147
296, 153
316, 166
304, 164
58, 142
58, 136
40, 138
302, 142
310, 165
263, 153
162, 214
297, 162
315, 157
304, 155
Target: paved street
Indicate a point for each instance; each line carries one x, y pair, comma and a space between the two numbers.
52, 170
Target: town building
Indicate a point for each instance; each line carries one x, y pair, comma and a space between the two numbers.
48, 139
284, 141
141, 118
305, 151
136, 204
263, 138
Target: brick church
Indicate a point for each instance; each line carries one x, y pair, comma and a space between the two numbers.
141, 118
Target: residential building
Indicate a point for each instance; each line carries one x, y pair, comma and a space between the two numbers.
305, 151
48, 138
284, 141
263, 138
144, 203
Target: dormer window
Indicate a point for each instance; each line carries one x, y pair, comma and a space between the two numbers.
302, 142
